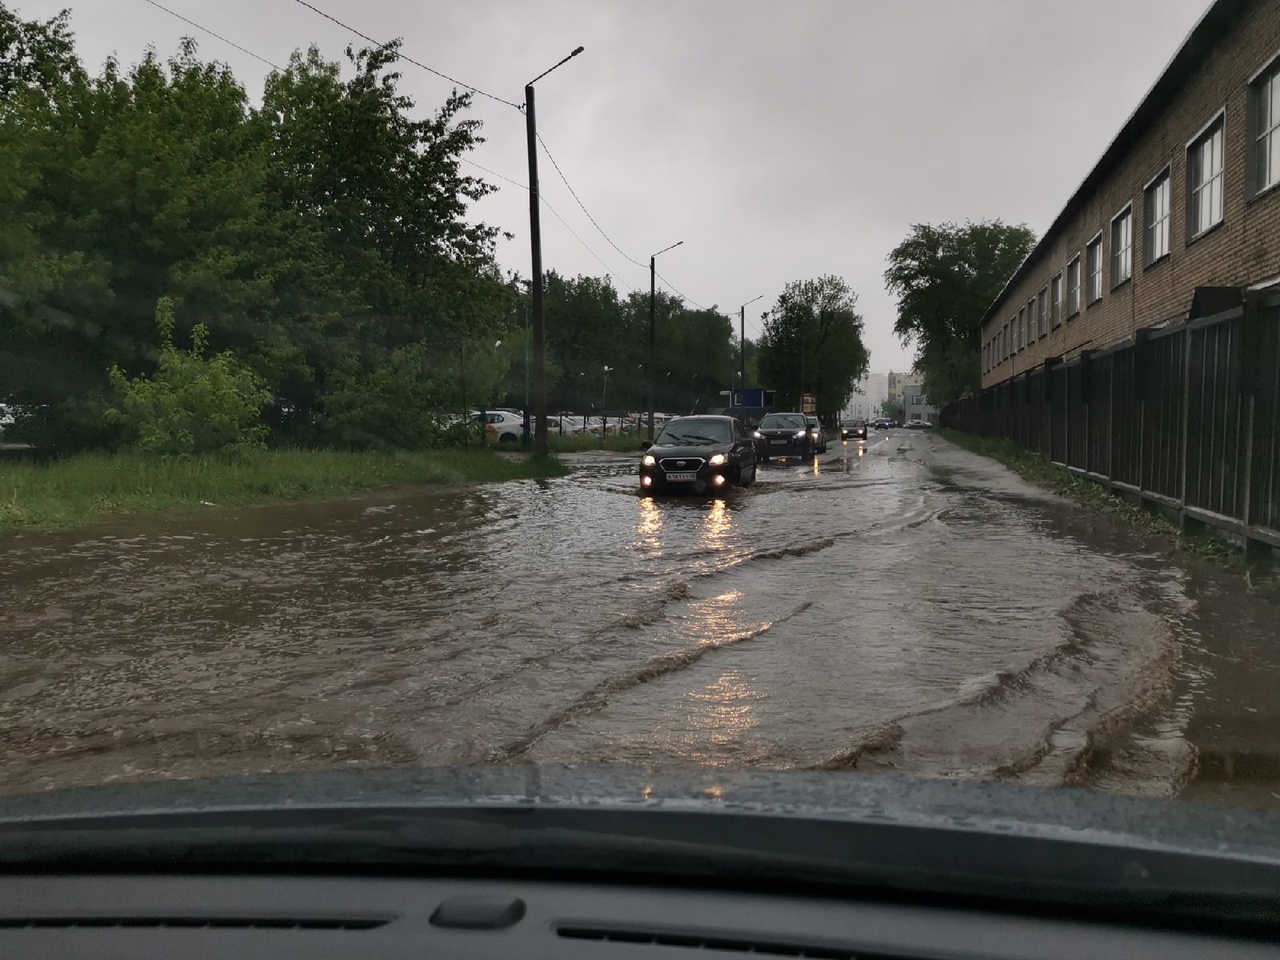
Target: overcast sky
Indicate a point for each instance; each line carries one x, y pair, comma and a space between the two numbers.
779, 140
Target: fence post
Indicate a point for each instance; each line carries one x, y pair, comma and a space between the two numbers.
1140, 339
1086, 398
1188, 525
1251, 370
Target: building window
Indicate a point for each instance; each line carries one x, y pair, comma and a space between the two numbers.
1155, 205
1017, 334
1265, 93
1031, 320
1042, 312
1004, 347
1122, 247
1022, 327
1055, 302
1204, 180
1073, 287
1093, 270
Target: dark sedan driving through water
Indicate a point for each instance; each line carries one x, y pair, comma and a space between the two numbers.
786, 435
697, 454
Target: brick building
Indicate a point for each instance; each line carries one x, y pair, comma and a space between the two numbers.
1183, 199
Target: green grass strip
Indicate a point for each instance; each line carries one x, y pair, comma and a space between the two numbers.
74, 491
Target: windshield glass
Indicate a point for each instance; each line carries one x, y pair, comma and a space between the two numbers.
695, 433
325, 442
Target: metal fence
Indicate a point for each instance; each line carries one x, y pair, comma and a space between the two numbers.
1186, 417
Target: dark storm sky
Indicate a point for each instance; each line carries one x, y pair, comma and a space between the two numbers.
778, 140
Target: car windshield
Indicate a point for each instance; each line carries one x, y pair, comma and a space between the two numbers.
357, 416
695, 433
782, 421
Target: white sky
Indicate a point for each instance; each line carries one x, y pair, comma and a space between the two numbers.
778, 140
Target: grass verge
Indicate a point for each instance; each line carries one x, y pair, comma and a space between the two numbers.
83, 488
1036, 469
627, 443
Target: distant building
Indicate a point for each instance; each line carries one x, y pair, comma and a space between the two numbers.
898, 383
868, 395
916, 406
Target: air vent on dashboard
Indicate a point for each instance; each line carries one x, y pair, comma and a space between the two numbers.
242, 922
699, 941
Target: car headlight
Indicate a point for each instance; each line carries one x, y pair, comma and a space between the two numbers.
717, 459
758, 435
800, 434
815, 433
649, 460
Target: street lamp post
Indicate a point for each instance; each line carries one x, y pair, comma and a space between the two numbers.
653, 293
535, 244
605, 392
742, 342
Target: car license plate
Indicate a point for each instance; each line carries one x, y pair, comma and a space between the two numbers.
682, 477
778, 443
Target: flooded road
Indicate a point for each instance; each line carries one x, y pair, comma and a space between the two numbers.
899, 605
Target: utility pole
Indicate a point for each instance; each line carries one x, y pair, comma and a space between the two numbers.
535, 244
653, 294
742, 344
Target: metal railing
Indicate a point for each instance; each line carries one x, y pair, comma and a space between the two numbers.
1186, 417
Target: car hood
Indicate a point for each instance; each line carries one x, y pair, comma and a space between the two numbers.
688, 452
840, 829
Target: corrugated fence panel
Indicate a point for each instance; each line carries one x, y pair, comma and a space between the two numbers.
1264, 354
1097, 396
1126, 419
1161, 375
1215, 441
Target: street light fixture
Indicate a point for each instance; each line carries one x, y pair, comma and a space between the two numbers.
653, 293
535, 244
605, 392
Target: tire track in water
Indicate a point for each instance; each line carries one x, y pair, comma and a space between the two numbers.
1038, 723
659, 666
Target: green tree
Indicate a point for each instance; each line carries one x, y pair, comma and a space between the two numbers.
34, 56
812, 342
193, 403
945, 278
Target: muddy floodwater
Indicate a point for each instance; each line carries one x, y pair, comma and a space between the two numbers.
899, 605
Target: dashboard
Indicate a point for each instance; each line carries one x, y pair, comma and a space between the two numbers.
247, 917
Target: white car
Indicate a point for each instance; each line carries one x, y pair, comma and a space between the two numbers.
502, 425
918, 425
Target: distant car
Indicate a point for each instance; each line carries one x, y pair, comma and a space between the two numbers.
784, 435
919, 425
502, 425
697, 454
882, 423
819, 435
853, 430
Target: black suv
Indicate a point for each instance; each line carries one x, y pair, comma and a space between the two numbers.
785, 435
853, 430
696, 454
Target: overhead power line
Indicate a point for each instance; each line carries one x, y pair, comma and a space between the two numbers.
550, 209
583, 206
203, 29
405, 58
516, 183
600, 229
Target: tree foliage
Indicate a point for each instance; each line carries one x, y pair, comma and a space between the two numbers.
325, 239
192, 403
812, 342
945, 278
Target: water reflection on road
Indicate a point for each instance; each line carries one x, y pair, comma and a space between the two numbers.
894, 605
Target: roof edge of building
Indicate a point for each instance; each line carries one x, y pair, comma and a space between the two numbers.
1213, 24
